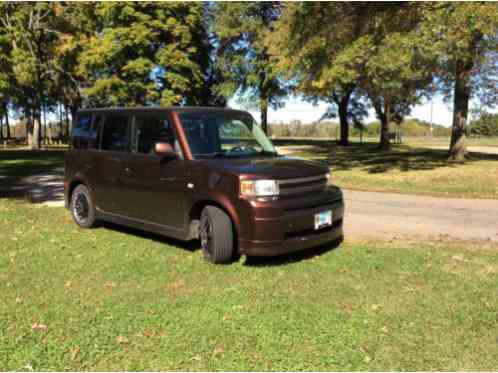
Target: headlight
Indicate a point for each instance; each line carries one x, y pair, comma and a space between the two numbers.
258, 188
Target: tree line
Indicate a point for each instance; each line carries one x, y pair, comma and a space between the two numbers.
58, 57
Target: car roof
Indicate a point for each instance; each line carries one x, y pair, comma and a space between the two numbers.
179, 109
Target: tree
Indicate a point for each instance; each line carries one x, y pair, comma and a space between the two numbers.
30, 29
146, 54
304, 47
486, 125
463, 39
244, 57
334, 49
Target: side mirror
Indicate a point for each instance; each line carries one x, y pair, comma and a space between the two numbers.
164, 150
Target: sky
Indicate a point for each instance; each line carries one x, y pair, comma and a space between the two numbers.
297, 108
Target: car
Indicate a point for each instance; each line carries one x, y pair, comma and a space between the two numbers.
198, 173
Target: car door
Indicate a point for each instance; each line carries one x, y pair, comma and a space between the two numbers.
155, 187
114, 149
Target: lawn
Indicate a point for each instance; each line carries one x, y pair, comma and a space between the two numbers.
117, 299
404, 169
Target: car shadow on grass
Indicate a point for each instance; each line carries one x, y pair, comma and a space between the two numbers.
299, 256
251, 261
190, 246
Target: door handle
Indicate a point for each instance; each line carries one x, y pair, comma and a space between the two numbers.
129, 170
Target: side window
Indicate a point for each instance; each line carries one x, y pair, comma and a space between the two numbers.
81, 131
115, 133
95, 132
147, 130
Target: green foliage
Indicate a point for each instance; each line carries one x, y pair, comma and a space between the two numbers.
145, 54
450, 32
486, 125
243, 55
330, 46
105, 54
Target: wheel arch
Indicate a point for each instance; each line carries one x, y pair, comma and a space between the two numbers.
196, 210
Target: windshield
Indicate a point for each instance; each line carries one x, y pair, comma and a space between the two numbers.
225, 134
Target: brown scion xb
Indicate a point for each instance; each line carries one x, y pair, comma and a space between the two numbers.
198, 173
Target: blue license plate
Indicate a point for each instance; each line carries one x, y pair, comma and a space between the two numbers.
323, 219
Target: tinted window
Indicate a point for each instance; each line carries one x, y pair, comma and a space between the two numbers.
149, 130
115, 134
81, 131
95, 132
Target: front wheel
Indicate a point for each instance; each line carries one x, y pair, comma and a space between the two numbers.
216, 233
82, 207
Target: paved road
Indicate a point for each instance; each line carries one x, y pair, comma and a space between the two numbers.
391, 216
368, 214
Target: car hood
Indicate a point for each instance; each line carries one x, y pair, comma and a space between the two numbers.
269, 167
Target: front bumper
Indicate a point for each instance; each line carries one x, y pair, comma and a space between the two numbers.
290, 227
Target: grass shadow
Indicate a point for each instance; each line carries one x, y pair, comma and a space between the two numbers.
373, 160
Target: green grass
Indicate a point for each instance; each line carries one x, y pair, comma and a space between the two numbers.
114, 299
15, 164
404, 169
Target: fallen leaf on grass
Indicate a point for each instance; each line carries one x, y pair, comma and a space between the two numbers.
109, 285
74, 352
375, 307
18, 300
122, 339
37, 327
218, 350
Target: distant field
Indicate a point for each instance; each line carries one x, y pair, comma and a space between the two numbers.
116, 299
414, 141
413, 169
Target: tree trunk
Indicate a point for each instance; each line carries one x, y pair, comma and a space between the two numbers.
458, 147
34, 134
66, 127
384, 143
7, 124
1, 129
29, 130
263, 103
342, 105
382, 112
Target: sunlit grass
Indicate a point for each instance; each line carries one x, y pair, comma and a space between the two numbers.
404, 169
115, 299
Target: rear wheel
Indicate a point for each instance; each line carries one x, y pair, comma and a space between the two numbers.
82, 207
216, 233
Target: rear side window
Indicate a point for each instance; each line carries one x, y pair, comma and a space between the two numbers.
147, 130
115, 134
81, 131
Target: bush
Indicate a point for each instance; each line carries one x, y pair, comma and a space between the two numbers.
485, 126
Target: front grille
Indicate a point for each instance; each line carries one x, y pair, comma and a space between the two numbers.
332, 201
303, 185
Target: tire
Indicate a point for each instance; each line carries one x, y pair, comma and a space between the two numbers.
216, 233
82, 207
